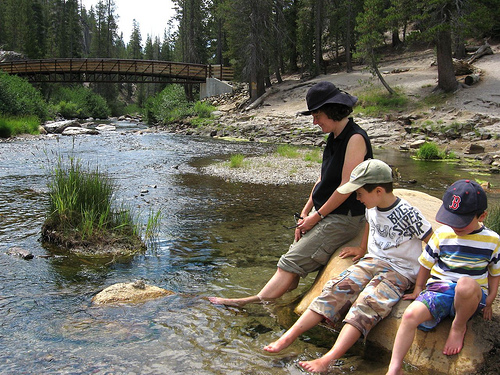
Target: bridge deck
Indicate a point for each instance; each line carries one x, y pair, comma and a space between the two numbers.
114, 70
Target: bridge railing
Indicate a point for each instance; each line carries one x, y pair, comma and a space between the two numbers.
114, 70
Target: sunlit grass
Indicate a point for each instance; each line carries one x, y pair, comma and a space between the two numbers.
288, 151
12, 126
294, 152
378, 102
236, 161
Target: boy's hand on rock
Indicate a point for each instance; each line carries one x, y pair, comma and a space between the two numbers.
355, 252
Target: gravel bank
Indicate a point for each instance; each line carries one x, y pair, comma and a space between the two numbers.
271, 169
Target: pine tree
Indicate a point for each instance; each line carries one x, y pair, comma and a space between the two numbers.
371, 25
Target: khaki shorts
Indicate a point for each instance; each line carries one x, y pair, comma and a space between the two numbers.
365, 294
316, 247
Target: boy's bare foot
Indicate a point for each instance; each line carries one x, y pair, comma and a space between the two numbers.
277, 346
317, 365
455, 341
398, 371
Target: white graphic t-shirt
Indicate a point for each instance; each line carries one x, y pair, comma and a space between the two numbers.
396, 235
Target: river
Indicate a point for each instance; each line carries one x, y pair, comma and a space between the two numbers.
216, 238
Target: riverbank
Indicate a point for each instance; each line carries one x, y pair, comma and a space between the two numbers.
466, 122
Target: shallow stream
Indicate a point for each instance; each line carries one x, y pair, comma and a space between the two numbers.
216, 238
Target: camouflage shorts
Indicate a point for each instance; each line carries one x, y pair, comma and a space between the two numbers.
365, 293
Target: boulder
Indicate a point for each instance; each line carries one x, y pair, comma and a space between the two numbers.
20, 252
134, 292
425, 352
74, 130
58, 127
105, 127
473, 148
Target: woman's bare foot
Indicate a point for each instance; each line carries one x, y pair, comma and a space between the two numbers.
282, 343
237, 302
455, 341
318, 365
225, 301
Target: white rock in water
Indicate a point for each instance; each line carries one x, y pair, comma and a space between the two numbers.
129, 293
105, 127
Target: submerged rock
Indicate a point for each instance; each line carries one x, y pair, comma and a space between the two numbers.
481, 338
134, 292
20, 252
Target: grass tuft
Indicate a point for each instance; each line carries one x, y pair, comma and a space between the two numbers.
236, 161
82, 212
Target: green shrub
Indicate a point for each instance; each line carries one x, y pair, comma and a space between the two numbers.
79, 102
203, 109
133, 109
168, 106
19, 98
68, 109
12, 126
429, 151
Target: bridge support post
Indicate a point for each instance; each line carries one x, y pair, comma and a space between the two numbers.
213, 87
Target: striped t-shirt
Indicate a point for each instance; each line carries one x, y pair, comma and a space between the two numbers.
450, 257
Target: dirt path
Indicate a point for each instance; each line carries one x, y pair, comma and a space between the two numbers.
416, 75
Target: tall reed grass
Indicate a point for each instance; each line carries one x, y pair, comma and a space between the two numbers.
493, 219
82, 211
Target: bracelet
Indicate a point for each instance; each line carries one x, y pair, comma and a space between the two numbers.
321, 216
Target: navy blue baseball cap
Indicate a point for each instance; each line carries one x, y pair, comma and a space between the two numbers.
462, 201
326, 92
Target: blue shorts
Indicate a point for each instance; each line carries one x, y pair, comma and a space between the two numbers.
439, 299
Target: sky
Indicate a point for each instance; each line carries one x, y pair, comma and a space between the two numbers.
152, 16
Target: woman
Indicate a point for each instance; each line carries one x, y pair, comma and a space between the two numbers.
329, 219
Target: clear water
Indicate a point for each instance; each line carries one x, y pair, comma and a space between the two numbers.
217, 238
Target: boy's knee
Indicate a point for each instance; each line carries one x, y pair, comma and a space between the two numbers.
413, 313
467, 286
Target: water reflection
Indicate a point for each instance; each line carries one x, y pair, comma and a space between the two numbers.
217, 238
433, 177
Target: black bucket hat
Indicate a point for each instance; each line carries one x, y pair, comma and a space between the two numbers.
326, 92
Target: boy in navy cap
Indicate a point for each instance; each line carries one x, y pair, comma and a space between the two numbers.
461, 266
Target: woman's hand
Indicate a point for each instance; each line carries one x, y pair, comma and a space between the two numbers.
305, 225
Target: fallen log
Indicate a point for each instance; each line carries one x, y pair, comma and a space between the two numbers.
485, 49
261, 99
471, 79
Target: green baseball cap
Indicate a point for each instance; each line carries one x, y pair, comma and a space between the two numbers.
371, 171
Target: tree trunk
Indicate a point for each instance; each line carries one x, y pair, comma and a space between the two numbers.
380, 76
396, 42
446, 73
318, 31
347, 46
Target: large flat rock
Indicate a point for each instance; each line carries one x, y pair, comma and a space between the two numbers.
426, 350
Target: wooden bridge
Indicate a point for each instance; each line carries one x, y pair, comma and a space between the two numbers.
114, 71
